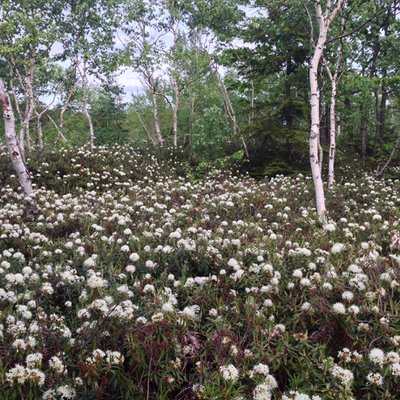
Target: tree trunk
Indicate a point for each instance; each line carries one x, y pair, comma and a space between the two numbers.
156, 117
332, 136
85, 106
175, 111
251, 114
149, 135
230, 111
324, 21
30, 108
382, 112
288, 113
314, 141
175, 82
15, 153
363, 132
393, 152
40, 132
69, 95
60, 134
187, 140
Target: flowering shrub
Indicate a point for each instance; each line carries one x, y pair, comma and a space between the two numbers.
135, 282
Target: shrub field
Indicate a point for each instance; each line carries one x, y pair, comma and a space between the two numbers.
138, 281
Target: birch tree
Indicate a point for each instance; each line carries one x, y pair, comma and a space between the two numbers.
230, 111
86, 30
334, 78
383, 168
144, 50
15, 153
27, 33
324, 21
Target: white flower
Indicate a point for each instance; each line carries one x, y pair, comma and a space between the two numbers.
149, 289
149, 264
375, 379
175, 235
337, 248
36, 376
234, 264
270, 382
134, 257
261, 369
97, 355
329, 227
130, 269
339, 308
95, 282
395, 340
191, 312
213, 312
17, 374
344, 375
347, 295
377, 356
392, 357
262, 392
114, 357
57, 365
297, 273
66, 392
167, 307
353, 309
90, 262
395, 369
299, 396
229, 372
34, 360
157, 317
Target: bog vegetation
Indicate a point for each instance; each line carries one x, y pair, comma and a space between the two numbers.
137, 280
176, 244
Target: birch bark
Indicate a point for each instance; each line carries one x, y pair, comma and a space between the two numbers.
15, 153
324, 21
156, 115
85, 106
230, 110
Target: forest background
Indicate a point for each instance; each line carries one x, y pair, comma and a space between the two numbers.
218, 81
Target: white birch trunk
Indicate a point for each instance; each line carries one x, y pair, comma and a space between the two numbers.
332, 137
69, 97
60, 134
149, 135
29, 109
175, 85
39, 131
85, 106
175, 111
314, 141
156, 117
333, 121
230, 111
15, 152
324, 21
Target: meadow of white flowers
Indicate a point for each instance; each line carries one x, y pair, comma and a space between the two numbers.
138, 282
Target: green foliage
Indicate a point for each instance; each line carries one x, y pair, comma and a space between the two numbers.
210, 132
109, 117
